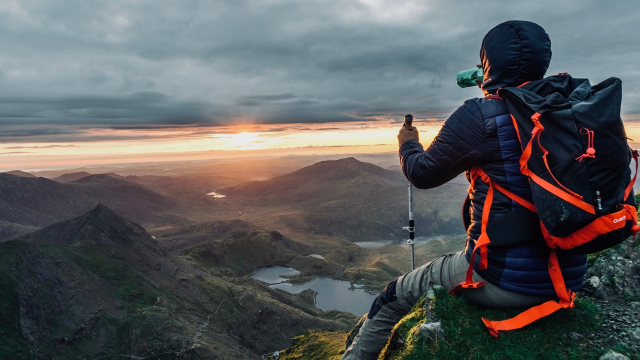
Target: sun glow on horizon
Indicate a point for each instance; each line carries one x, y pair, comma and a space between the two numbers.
239, 141
114, 146
192, 144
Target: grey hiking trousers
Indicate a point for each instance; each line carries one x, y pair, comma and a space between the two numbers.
446, 271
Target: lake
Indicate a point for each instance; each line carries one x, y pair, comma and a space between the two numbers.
331, 294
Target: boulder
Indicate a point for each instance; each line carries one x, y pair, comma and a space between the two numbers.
615, 274
431, 330
612, 355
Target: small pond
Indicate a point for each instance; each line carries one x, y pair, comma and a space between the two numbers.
331, 294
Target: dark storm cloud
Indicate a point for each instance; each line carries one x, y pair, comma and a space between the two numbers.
138, 108
68, 66
258, 100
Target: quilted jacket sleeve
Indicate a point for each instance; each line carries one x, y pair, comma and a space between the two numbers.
459, 145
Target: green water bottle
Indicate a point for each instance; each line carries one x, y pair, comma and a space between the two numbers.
467, 78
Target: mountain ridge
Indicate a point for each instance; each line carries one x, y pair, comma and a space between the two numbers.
69, 177
349, 198
40, 202
20, 173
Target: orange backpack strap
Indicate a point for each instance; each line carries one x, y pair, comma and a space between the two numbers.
634, 154
633, 212
483, 240
537, 312
599, 226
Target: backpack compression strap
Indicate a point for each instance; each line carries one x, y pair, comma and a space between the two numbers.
602, 225
562, 192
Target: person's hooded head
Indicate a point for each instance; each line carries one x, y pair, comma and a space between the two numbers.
513, 53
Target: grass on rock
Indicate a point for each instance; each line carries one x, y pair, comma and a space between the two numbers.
465, 336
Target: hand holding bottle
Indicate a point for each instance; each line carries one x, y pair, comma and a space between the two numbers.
408, 131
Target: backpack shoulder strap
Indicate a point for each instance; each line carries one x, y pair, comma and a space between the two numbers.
483, 241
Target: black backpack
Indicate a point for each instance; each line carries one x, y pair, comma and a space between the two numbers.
576, 156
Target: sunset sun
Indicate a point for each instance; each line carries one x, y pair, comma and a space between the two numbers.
243, 139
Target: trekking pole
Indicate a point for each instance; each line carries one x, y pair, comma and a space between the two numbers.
408, 120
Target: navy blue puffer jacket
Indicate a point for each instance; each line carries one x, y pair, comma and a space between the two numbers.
480, 133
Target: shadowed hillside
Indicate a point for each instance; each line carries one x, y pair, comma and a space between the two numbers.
188, 236
350, 198
10, 230
100, 226
69, 177
40, 202
19, 173
98, 285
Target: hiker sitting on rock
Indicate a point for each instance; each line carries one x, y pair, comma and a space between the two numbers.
479, 134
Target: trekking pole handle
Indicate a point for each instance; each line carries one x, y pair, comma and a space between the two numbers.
408, 121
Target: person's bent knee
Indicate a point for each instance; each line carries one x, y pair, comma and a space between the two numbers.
386, 296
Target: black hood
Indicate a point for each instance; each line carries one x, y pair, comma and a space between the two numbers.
512, 53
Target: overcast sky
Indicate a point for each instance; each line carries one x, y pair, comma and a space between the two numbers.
69, 66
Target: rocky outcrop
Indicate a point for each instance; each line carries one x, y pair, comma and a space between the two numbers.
613, 283
615, 273
612, 355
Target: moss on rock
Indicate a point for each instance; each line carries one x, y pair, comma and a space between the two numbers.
316, 345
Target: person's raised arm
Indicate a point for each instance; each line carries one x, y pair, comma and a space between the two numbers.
459, 145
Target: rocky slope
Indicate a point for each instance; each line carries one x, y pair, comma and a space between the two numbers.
100, 286
187, 236
9, 230
613, 282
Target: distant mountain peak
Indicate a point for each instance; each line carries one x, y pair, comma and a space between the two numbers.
99, 212
349, 165
98, 226
350, 159
340, 162
331, 181
69, 177
99, 178
20, 173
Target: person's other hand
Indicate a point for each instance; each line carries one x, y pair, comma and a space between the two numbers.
406, 135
